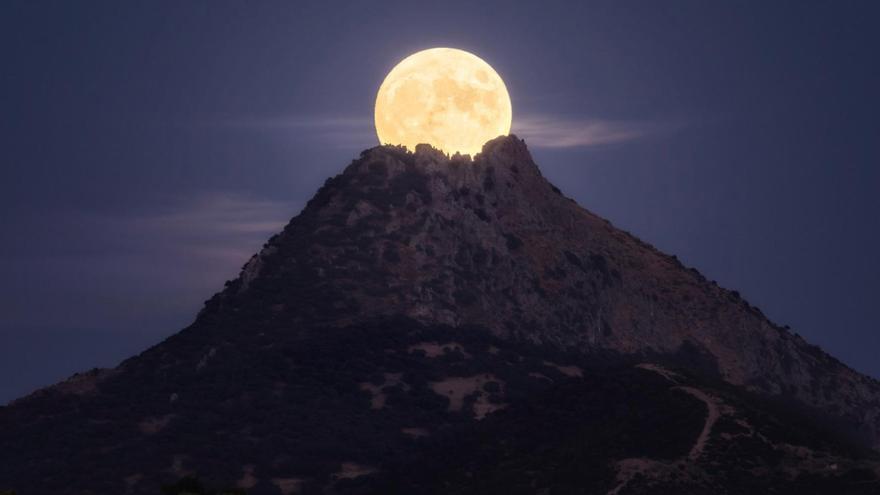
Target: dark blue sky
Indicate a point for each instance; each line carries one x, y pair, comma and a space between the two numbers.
148, 148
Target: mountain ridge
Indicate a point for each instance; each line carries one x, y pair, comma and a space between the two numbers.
506, 208
419, 298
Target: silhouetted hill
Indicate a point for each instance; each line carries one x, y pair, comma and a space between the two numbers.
437, 325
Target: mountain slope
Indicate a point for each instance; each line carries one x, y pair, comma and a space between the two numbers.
393, 406
492, 243
419, 304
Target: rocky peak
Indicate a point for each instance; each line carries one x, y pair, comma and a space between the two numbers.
422, 221
504, 162
489, 241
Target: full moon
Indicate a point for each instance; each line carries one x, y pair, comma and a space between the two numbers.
448, 98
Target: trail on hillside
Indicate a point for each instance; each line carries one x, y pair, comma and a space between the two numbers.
630, 468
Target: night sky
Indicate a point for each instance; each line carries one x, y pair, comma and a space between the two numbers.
149, 148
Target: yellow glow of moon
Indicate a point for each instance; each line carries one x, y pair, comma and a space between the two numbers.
448, 98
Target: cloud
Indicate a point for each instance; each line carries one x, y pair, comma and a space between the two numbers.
231, 213
212, 225
548, 131
116, 269
341, 131
539, 131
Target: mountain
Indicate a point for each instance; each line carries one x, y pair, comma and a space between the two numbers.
431, 324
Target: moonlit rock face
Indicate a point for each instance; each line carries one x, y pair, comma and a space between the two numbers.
448, 98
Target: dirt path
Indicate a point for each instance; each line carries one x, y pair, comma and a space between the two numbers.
711, 419
627, 469
665, 373
712, 406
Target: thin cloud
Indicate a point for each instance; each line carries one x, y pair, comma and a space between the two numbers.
217, 225
220, 212
339, 130
545, 131
116, 268
539, 131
